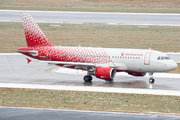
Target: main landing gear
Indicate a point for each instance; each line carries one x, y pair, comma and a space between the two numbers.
151, 79
87, 78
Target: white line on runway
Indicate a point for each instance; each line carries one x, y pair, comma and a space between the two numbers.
95, 20
93, 12
93, 89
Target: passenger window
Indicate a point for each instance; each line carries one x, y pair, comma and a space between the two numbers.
158, 58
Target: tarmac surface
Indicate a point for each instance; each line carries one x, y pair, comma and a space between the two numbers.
9, 113
94, 17
14, 69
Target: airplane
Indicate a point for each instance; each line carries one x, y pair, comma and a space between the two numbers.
103, 63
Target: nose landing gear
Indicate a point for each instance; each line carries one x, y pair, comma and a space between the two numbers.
151, 79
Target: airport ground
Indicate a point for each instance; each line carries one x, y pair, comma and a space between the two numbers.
161, 38
15, 70
167, 33
15, 113
90, 101
132, 6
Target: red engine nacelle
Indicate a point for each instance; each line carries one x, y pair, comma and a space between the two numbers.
137, 73
105, 73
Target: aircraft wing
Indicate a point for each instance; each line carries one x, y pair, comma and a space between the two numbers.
78, 65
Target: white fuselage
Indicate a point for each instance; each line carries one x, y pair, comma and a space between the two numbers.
141, 60
123, 59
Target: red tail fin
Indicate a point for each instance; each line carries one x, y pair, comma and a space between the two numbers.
34, 36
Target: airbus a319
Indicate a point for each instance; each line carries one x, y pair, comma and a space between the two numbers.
102, 63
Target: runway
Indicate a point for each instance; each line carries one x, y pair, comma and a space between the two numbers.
94, 17
10, 113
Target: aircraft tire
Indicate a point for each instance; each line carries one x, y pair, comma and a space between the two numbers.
151, 80
87, 78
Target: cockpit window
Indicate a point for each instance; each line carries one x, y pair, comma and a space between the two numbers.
163, 58
167, 58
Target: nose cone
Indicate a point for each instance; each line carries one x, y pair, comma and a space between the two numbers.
173, 65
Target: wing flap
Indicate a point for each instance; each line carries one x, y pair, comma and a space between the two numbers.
69, 63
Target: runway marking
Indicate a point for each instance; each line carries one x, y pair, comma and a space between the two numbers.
93, 12
93, 89
53, 70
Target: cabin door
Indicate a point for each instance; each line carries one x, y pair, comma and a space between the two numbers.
147, 58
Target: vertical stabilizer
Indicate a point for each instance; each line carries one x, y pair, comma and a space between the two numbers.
34, 36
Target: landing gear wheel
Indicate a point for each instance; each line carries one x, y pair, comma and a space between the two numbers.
87, 78
151, 80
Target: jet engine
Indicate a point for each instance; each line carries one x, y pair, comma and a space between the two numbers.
105, 73
136, 73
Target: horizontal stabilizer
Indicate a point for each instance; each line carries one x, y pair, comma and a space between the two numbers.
32, 52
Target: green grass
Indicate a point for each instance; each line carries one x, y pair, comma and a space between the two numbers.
95, 101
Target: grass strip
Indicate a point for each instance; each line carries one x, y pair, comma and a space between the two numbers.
93, 101
162, 38
136, 6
